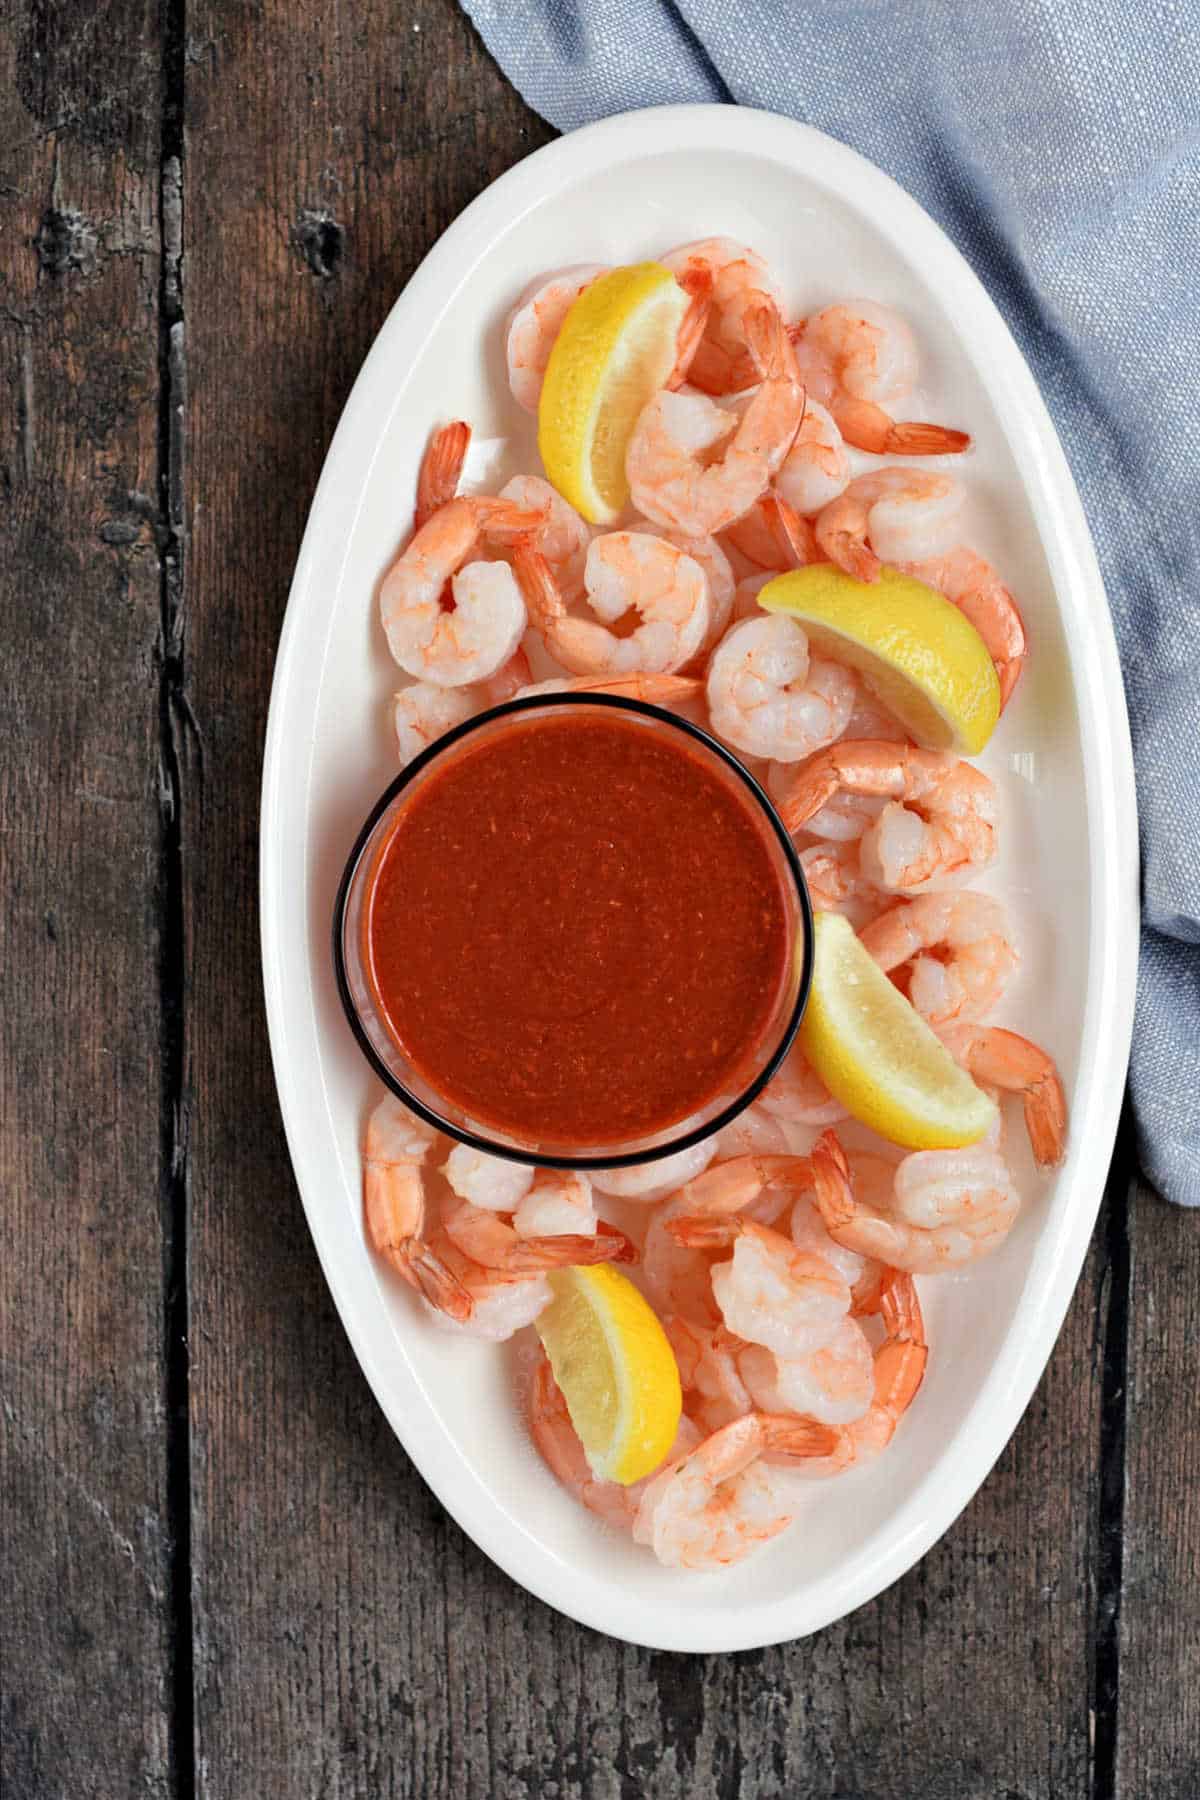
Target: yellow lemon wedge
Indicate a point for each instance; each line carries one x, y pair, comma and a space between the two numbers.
917, 653
615, 350
617, 1371
876, 1054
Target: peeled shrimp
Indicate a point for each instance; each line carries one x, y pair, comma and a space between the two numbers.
816, 469
481, 632
1003, 1059
843, 819
559, 1204
836, 882
535, 323
755, 1132
959, 948
718, 1503
770, 1292
946, 1207
797, 1093
833, 1383
859, 358
491, 1242
501, 1303
562, 537
564, 1455
651, 1181
738, 282
721, 585
890, 515
897, 1373
624, 570
422, 713
669, 481
713, 1390
441, 468
872, 1175
678, 1270
940, 823
976, 589
491, 1182
397, 1144
767, 697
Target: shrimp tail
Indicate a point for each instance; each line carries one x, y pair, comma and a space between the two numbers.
703, 1231
504, 522
426, 1271
868, 427
788, 1437
697, 283
853, 554
795, 536
441, 470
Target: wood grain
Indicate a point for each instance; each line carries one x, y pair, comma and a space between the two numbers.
84, 1550
350, 1641
1158, 1739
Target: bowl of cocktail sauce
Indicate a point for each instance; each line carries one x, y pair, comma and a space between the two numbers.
574, 932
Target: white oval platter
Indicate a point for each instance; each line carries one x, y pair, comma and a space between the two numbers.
832, 226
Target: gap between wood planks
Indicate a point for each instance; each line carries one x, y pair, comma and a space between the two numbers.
174, 717
1108, 1562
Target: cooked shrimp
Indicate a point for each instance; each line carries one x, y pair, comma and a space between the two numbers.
719, 1502
422, 713
564, 1454
946, 1207
832, 1384
773, 535
769, 1292
562, 538
960, 949
535, 322
441, 469
940, 823
755, 1132
843, 819
836, 882
797, 1093
738, 281
491, 1182
714, 1392
872, 1175
494, 1244
559, 1204
624, 570
1004, 1060
678, 1268
978, 592
891, 515
658, 690
713, 560
768, 697
397, 1144
651, 1181
669, 481
697, 284
816, 469
501, 1303
897, 1374
484, 627
859, 358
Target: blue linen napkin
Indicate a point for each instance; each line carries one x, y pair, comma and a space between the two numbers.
1058, 143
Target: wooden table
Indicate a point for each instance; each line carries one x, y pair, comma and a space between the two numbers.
220, 1575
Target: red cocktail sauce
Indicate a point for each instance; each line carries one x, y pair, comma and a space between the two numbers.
575, 929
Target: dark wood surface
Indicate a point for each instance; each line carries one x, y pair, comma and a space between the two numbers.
220, 1575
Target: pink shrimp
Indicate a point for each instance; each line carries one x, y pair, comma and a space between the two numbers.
940, 823
887, 516
857, 359
534, 324
394, 1154
958, 947
898, 1371
441, 470
489, 1240
1005, 1060
973, 585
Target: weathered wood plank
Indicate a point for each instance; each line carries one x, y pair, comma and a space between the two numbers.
349, 1640
1158, 1720
84, 1559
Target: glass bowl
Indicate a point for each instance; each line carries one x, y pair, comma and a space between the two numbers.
409, 1084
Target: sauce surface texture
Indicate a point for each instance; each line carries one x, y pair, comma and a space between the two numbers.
576, 931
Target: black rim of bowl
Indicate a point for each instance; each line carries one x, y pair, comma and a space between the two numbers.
542, 1159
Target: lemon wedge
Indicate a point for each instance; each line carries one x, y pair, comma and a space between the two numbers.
617, 1371
876, 1054
615, 350
916, 652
